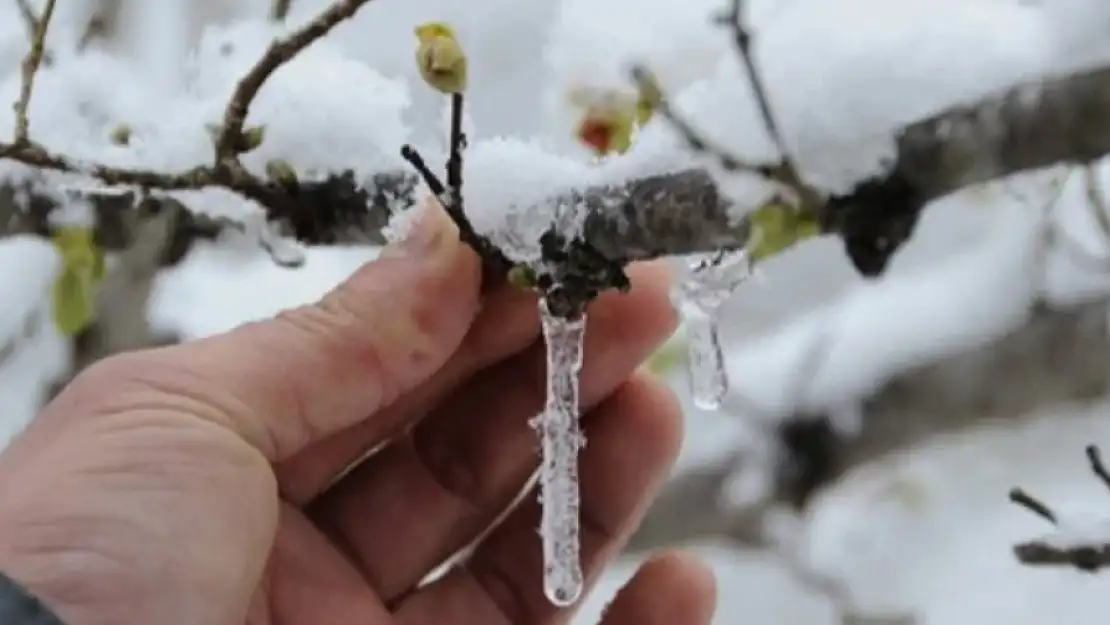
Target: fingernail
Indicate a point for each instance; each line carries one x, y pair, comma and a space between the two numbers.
428, 232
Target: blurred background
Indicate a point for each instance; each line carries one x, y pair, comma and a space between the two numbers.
920, 528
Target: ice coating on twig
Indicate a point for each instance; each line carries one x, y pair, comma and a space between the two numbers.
560, 442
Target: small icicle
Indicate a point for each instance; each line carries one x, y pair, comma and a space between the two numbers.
712, 281
560, 440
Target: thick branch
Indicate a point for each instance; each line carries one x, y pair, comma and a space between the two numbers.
682, 213
345, 213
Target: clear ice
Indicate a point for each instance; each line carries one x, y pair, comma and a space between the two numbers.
711, 281
560, 441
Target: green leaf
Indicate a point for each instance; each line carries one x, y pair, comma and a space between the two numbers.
777, 227
74, 297
83, 269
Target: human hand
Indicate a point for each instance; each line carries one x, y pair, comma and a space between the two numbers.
207, 483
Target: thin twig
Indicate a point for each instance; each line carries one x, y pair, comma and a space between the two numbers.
280, 52
27, 14
1094, 457
742, 41
1085, 557
31, 65
784, 172
695, 139
450, 194
279, 10
1032, 504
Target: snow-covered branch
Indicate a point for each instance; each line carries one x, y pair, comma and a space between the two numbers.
1062, 119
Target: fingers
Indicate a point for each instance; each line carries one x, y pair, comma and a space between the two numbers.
507, 324
287, 382
669, 588
632, 444
415, 503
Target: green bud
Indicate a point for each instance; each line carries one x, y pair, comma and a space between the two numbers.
121, 135
522, 277
281, 172
252, 138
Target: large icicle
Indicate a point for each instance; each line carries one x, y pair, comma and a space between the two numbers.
561, 440
699, 297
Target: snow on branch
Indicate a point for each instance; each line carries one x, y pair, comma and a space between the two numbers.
1084, 546
1061, 119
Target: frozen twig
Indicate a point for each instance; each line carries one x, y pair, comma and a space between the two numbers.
30, 67
1078, 547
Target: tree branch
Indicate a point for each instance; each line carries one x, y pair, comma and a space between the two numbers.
1060, 119
31, 67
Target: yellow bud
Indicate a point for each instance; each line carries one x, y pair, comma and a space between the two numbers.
83, 269
440, 57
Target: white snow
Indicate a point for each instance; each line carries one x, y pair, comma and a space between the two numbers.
928, 531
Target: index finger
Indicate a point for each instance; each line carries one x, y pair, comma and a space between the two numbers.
287, 382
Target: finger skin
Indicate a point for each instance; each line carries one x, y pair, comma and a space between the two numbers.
667, 589
632, 444
506, 325
411, 506
287, 382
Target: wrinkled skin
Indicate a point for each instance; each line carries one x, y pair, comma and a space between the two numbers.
204, 483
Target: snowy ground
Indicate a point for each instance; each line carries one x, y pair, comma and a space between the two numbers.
841, 71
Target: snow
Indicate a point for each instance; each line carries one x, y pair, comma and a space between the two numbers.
929, 530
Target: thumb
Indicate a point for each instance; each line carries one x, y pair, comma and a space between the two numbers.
310, 372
